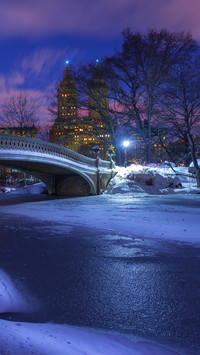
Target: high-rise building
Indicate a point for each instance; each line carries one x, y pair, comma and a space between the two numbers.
26, 131
75, 132
98, 104
62, 132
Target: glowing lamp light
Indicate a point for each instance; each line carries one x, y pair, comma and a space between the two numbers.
67, 62
97, 60
126, 144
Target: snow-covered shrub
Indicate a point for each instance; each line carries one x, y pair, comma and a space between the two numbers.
122, 186
153, 178
139, 179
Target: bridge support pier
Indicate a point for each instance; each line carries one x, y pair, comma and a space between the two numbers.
53, 185
71, 185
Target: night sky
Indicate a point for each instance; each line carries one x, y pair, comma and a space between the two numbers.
37, 36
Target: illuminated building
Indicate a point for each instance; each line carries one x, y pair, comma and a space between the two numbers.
26, 131
80, 133
64, 127
13, 176
98, 104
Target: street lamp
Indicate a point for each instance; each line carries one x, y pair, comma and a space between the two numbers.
96, 151
125, 144
111, 153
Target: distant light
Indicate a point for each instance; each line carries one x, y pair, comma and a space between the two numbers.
97, 60
126, 144
67, 62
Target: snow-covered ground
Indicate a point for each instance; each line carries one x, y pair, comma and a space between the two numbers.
139, 201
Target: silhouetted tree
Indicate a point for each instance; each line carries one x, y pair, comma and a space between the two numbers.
19, 111
94, 103
181, 108
138, 72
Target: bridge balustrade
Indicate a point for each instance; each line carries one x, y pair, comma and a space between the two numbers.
35, 145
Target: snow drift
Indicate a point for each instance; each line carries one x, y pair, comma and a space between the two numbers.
148, 179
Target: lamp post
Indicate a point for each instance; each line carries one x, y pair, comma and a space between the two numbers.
125, 144
96, 151
111, 153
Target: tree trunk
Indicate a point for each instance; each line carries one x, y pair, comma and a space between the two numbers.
149, 156
194, 158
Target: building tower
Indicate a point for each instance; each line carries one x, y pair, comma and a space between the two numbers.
81, 133
62, 132
98, 104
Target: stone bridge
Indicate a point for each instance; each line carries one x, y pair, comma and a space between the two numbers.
65, 173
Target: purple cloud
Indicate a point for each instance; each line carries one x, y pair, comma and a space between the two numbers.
88, 17
30, 70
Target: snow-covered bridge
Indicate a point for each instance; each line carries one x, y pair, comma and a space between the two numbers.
63, 171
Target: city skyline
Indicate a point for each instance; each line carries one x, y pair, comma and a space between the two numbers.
36, 38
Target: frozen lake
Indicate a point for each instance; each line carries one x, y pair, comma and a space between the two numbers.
95, 277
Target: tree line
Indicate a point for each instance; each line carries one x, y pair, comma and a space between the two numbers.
152, 81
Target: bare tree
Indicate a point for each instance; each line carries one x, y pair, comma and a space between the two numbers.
53, 102
19, 111
140, 70
95, 105
181, 108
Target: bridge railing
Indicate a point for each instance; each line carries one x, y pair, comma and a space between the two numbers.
15, 143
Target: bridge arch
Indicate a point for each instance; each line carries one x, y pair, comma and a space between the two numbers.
63, 171
59, 179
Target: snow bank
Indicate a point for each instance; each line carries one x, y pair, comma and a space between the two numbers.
148, 179
34, 189
52, 339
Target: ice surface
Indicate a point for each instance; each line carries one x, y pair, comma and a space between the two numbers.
172, 217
